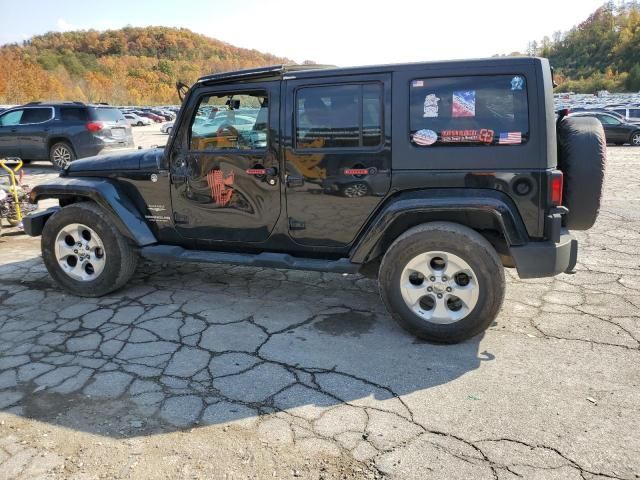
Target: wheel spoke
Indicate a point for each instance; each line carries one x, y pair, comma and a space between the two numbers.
440, 310
413, 293
468, 294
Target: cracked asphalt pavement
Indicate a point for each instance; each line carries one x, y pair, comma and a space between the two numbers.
206, 371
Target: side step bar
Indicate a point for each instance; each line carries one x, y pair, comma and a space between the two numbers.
171, 253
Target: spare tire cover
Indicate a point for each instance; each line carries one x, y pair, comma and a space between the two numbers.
582, 157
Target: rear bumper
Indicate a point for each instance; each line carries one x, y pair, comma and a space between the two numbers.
546, 259
101, 147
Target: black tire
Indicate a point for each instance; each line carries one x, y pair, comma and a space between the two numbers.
58, 158
139, 124
582, 157
457, 240
169, 130
634, 139
122, 258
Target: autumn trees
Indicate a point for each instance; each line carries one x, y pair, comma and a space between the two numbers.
127, 66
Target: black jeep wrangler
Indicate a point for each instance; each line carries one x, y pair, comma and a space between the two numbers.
430, 176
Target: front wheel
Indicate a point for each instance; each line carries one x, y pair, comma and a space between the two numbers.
635, 139
85, 253
443, 282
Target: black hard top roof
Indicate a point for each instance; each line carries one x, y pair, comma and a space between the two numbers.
299, 71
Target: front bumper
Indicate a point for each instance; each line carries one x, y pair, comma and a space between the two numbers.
546, 259
33, 223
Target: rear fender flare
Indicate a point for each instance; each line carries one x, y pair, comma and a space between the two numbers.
129, 221
466, 206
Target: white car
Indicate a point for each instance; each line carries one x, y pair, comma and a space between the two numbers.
166, 128
136, 120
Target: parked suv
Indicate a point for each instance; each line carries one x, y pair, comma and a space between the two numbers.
455, 169
62, 131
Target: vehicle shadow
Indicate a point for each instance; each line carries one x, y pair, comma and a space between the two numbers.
188, 345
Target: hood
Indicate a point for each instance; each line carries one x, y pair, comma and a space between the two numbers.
134, 160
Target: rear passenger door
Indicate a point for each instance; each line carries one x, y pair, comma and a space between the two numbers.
337, 137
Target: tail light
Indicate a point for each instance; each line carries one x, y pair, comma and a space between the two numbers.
555, 190
94, 127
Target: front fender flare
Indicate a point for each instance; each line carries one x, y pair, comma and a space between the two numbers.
426, 204
105, 193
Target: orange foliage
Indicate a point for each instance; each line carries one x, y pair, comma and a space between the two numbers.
128, 66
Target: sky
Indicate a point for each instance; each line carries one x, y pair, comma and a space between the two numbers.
338, 32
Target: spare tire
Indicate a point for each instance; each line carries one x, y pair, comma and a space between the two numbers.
582, 157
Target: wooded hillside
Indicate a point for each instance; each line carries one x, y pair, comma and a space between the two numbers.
128, 66
602, 53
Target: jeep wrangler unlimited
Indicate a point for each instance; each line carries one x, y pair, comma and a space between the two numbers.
430, 176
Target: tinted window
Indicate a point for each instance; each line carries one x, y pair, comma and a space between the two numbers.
481, 110
36, 115
339, 116
231, 121
11, 118
74, 114
107, 114
608, 120
634, 112
621, 111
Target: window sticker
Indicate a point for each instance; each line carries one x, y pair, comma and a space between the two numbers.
467, 136
431, 106
424, 137
510, 138
517, 83
417, 83
464, 104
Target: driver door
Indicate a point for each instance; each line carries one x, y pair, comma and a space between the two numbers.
225, 184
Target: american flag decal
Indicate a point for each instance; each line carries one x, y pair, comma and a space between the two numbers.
220, 186
510, 138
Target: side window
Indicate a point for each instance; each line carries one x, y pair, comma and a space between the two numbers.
74, 114
339, 116
469, 111
36, 115
231, 121
607, 120
12, 118
634, 112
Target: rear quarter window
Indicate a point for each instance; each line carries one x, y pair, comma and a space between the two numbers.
74, 114
107, 114
469, 111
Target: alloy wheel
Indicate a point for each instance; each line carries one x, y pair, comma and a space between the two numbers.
80, 252
61, 156
439, 287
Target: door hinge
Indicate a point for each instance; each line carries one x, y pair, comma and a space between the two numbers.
179, 218
296, 224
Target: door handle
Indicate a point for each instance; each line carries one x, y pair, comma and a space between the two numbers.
261, 172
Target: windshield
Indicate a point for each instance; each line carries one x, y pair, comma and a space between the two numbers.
107, 114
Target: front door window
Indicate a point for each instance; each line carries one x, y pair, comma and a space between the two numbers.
225, 176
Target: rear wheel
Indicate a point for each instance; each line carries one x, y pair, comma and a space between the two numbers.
85, 253
443, 282
61, 154
139, 124
635, 139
